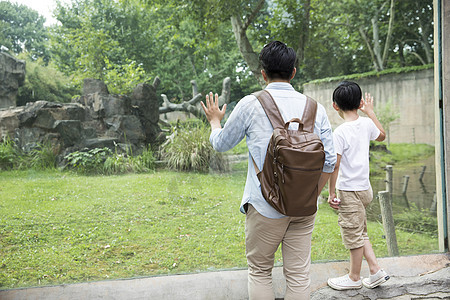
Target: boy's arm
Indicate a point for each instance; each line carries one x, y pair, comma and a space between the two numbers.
367, 108
332, 184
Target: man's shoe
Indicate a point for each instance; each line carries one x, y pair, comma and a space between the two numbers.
376, 279
344, 283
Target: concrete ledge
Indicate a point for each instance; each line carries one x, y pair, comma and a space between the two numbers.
405, 271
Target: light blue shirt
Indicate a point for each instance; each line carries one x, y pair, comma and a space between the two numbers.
249, 119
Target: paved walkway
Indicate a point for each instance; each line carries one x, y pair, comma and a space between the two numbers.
412, 277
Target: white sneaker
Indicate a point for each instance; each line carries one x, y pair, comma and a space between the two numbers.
376, 279
344, 283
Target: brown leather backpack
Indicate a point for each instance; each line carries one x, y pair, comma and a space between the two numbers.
294, 161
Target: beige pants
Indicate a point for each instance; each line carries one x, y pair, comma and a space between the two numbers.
262, 238
352, 217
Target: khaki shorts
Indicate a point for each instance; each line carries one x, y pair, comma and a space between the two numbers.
352, 217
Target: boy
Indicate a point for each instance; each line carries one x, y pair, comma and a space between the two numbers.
351, 141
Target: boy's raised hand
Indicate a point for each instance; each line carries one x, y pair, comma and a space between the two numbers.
212, 111
367, 106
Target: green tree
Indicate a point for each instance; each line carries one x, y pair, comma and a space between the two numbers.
22, 29
44, 82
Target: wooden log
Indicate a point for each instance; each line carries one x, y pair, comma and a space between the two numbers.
388, 223
389, 180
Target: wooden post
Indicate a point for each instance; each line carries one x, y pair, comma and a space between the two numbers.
434, 204
405, 184
389, 175
388, 223
422, 173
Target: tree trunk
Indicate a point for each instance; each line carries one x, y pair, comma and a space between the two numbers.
304, 34
389, 34
369, 46
376, 43
246, 49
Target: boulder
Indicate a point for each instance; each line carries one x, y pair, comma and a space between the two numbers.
96, 119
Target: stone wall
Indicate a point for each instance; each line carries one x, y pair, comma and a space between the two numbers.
12, 76
412, 96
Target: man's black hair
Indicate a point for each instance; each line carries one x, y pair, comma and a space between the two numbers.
347, 95
278, 60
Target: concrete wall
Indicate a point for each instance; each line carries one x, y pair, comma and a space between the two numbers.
411, 94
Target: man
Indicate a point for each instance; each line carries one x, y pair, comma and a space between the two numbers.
266, 228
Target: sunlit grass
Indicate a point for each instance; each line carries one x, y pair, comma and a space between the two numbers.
58, 227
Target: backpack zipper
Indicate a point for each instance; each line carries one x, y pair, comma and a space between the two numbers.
297, 169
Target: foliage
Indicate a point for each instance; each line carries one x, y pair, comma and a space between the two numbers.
105, 161
8, 154
190, 150
60, 227
386, 115
417, 220
41, 157
372, 74
90, 161
123, 79
124, 42
119, 163
397, 153
22, 29
44, 82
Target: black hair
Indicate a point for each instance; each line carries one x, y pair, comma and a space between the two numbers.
347, 95
278, 60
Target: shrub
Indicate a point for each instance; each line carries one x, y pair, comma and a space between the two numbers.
44, 83
417, 220
91, 161
43, 157
8, 154
104, 161
190, 150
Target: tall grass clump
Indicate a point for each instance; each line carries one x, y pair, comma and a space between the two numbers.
41, 157
190, 150
119, 163
8, 154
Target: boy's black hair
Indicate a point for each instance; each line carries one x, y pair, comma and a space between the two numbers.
347, 95
278, 60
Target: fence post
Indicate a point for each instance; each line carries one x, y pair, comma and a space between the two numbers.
389, 175
405, 184
388, 223
422, 173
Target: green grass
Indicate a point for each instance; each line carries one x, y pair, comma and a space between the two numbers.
59, 227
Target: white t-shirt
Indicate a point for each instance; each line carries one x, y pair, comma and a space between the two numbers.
352, 140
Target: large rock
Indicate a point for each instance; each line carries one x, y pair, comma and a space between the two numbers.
96, 119
12, 76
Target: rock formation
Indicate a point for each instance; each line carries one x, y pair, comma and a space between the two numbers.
12, 76
96, 119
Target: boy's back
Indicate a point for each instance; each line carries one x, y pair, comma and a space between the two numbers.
352, 140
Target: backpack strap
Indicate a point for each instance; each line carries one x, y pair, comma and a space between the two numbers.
309, 114
270, 108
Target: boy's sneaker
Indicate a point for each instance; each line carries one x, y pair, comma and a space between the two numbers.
344, 283
376, 279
